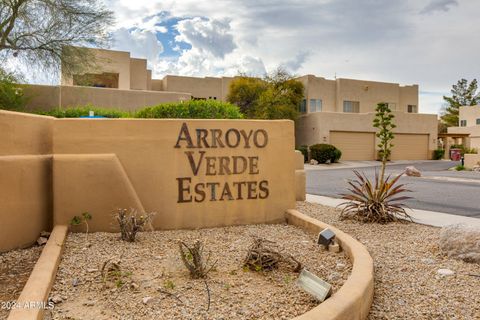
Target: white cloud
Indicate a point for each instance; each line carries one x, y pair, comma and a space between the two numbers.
213, 36
140, 43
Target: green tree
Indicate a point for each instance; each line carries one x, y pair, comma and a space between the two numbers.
46, 32
11, 94
383, 121
276, 96
463, 94
245, 92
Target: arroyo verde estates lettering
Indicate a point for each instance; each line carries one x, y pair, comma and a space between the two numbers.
201, 164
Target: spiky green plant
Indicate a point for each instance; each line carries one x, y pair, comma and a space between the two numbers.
375, 201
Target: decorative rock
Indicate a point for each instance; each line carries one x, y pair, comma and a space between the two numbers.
445, 272
313, 162
90, 303
476, 168
75, 282
340, 266
41, 241
146, 300
56, 299
45, 234
428, 261
92, 270
334, 247
411, 171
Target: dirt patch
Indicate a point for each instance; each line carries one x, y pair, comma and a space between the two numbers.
155, 284
407, 259
15, 268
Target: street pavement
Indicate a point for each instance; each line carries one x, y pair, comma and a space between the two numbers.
454, 192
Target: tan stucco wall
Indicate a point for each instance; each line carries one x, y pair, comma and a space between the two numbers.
138, 74
315, 127
369, 93
471, 114
107, 61
198, 87
473, 141
472, 160
49, 97
145, 150
25, 178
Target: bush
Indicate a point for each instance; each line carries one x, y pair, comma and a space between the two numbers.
192, 109
438, 154
324, 153
460, 168
78, 112
304, 150
11, 94
464, 149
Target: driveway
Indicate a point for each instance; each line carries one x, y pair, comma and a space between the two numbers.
437, 190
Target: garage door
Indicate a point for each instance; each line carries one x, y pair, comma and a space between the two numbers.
410, 147
354, 145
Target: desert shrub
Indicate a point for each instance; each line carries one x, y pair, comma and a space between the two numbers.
375, 201
130, 223
304, 150
324, 153
378, 200
461, 242
460, 168
192, 109
438, 154
11, 93
83, 111
193, 259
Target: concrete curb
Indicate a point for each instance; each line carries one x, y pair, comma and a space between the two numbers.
33, 300
355, 297
429, 218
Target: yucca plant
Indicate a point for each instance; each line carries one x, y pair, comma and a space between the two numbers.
375, 201
378, 200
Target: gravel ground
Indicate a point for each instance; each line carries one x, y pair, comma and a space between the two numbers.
15, 268
154, 267
407, 258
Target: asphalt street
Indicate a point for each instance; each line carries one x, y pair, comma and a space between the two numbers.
455, 192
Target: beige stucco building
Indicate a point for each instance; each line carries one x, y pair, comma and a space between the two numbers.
341, 111
337, 111
469, 123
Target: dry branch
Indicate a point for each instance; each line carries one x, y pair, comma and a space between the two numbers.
264, 255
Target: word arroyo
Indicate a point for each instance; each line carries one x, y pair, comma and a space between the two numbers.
204, 165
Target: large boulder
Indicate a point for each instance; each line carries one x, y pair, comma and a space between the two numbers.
411, 171
461, 242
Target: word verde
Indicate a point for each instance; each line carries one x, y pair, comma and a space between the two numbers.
202, 164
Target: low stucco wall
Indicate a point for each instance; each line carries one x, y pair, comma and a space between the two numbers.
471, 160
315, 127
25, 178
41, 97
355, 297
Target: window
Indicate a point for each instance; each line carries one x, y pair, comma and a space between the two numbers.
392, 106
478, 121
412, 108
303, 106
351, 106
463, 123
315, 105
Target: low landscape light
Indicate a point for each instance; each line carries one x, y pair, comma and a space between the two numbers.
325, 237
314, 285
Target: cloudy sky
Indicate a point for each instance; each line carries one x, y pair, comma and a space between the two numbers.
432, 43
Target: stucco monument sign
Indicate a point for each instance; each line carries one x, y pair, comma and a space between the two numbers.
192, 173
201, 164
